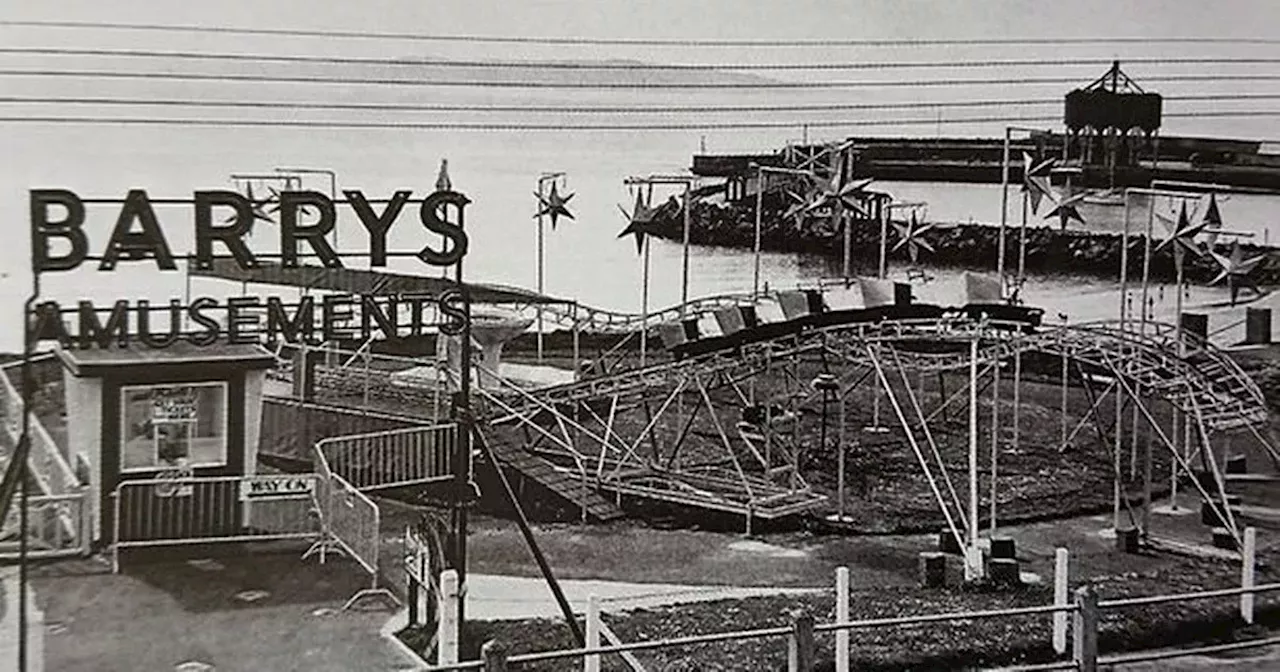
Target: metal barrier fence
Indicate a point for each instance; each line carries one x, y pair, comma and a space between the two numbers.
392, 458
351, 523
1084, 612
214, 509
58, 526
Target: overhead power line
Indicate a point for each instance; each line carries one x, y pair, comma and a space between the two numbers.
625, 66
648, 42
569, 109
496, 126
525, 84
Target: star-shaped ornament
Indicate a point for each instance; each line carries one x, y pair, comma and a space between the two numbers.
1035, 180
910, 234
274, 200
835, 190
1066, 208
1212, 221
1235, 269
553, 205
255, 208
1182, 236
640, 222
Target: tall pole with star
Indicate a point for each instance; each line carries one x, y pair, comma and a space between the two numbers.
640, 223
550, 205
796, 211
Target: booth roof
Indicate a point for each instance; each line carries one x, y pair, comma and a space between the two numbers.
87, 362
365, 281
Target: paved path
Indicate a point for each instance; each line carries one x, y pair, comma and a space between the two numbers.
493, 597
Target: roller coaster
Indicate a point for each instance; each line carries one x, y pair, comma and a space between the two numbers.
723, 417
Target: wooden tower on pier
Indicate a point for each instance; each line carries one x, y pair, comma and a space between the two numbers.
1111, 123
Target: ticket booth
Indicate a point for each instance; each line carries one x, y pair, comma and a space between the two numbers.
143, 414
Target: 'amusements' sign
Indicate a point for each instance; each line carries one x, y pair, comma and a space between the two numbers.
221, 222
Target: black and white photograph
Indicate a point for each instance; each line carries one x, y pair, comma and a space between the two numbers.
645, 336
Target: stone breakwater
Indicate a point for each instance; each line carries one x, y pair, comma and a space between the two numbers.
962, 245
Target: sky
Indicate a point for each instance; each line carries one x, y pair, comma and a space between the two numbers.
702, 19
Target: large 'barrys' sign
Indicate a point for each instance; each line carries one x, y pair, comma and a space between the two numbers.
221, 223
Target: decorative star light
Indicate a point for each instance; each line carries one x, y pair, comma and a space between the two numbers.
553, 204
1065, 209
910, 234
640, 221
797, 209
836, 190
1212, 221
1035, 179
1182, 236
255, 208
1235, 269
274, 199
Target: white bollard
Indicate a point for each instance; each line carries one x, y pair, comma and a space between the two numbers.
842, 616
592, 663
1060, 599
447, 632
1248, 557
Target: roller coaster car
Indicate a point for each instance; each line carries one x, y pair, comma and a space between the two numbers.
759, 414
1005, 316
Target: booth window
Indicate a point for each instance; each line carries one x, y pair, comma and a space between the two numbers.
171, 426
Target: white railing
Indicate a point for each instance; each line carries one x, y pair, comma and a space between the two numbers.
58, 526
48, 465
1084, 611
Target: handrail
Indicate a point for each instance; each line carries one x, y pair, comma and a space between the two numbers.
1183, 597
782, 631
50, 469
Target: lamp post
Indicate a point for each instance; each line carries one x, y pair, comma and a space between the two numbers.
760, 171
687, 181
542, 181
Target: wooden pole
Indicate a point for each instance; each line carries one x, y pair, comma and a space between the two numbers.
1085, 630
644, 305
840, 460
972, 570
684, 271
755, 277
494, 655
801, 646
1004, 205
540, 267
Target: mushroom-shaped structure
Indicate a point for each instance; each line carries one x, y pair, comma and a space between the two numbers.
491, 329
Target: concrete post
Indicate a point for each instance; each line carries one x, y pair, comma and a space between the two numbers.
1085, 629
447, 631
842, 616
591, 663
1248, 556
1060, 597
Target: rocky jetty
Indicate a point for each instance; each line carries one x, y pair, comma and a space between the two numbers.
962, 245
